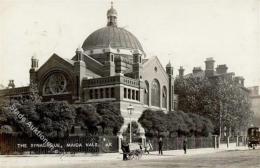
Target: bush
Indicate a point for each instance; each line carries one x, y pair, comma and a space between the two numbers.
158, 123
154, 122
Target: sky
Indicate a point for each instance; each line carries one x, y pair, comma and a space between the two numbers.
185, 32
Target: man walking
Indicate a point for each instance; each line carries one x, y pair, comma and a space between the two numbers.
185, 145
160, 144
125, 149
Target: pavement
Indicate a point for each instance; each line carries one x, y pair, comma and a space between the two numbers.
118, 156
110, 160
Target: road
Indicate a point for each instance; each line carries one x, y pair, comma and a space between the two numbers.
225, 159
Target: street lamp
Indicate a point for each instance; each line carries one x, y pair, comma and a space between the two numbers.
130, 109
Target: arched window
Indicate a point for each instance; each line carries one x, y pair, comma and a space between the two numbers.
164, 97
155, 93
146, 93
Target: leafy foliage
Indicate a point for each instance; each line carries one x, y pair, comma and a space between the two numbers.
111, 117
88, 118
158, 123
135, 129
220, 99
56, 118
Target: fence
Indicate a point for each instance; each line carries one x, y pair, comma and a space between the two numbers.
10, 144
177, 143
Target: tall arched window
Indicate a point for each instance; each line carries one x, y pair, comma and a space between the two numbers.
146, 93
164, 97
155, 93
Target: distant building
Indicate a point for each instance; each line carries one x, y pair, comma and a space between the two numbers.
213, 74
221, 71
255, 99
2, 86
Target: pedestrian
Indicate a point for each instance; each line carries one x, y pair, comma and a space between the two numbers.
140, 146
124, 149
185, 145
160, 144
148, 147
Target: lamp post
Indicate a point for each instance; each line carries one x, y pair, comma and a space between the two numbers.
130, 109
220, 120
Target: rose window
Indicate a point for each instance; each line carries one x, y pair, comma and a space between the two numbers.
55, 84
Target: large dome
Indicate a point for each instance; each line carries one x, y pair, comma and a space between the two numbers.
114, 36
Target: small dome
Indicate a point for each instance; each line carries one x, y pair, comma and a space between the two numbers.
169, 64
112, 12
34, 56
79, 49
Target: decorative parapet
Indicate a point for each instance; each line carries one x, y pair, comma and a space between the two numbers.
112, 80
15, 91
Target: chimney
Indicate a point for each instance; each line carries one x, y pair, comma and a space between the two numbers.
254, 90
222, 69
11, 84
239, 80
243, 81
196, 70
209, 63
181, 72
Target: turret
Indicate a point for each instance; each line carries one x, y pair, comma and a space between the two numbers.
80, 71
34, 62
34, 67
109, 66
169, 71
137, 65
79, 54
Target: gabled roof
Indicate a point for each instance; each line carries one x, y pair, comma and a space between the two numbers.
55, 56
155, 58
151, 59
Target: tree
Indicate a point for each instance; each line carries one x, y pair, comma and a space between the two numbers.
207, 128
134, 129
176, 124
56, 118
154, 122
172, 124
87, 117
111, 117
223, 101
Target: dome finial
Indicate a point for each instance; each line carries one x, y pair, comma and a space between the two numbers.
112, 3
169, 64
112, 16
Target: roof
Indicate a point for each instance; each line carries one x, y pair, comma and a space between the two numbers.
198, 74
112, 36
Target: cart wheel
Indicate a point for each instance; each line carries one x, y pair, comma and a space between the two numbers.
130, 157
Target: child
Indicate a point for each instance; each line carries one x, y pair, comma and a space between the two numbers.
148, 147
